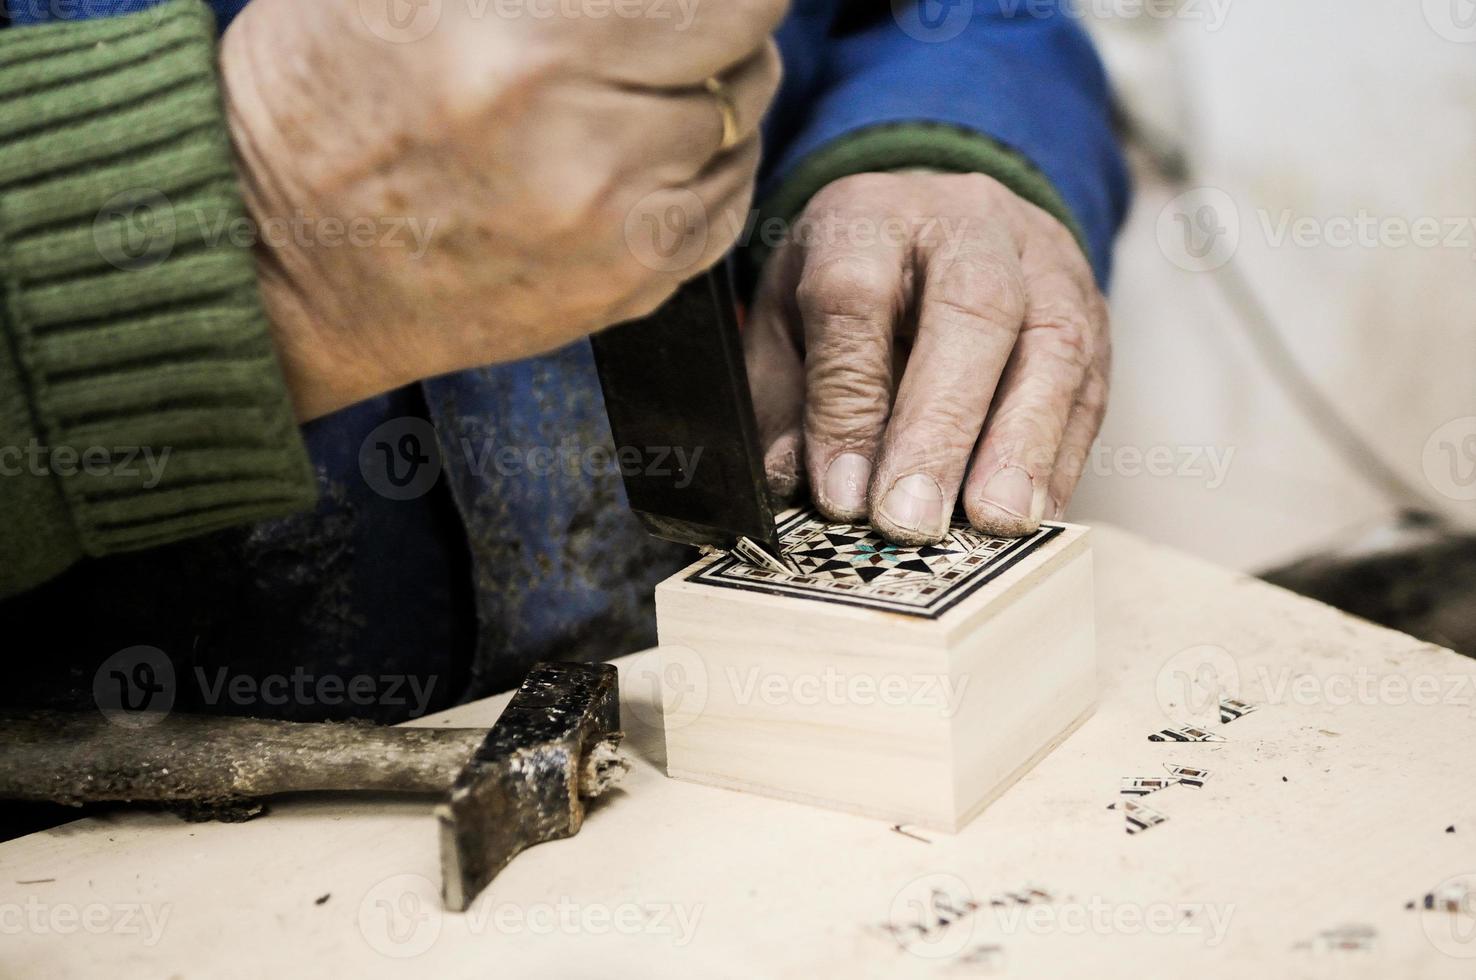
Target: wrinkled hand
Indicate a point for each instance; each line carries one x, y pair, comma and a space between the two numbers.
928, 334
524, 148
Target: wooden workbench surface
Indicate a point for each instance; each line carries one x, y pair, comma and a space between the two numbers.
1325, 813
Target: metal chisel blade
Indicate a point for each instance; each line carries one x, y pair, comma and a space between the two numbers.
676, 381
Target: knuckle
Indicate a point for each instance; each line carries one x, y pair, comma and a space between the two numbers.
1071, 462
847, 406
1094, 403
949, 429
849, 287
771, 13
757, 18
724, 227
980, 186
1025, 439
773, 69
951, 416
972, 186
570, 206
829, 432
1103, 318
1062, 330
567, 216
1061, 240
462, 92
985, 291
845, 388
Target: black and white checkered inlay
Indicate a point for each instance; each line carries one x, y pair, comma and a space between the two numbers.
852, 564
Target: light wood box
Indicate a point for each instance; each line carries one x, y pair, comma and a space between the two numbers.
917, 697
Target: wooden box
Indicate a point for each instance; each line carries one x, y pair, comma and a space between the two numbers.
909, 684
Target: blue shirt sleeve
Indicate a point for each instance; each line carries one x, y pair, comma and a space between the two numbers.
1021, 72
23, 12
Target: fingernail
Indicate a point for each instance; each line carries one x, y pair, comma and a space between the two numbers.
916, 503
782, 466
846, 482
1012, 491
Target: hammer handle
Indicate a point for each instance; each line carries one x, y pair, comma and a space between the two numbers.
79, 758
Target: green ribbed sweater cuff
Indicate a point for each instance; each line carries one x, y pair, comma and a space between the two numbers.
902, 146
140, 397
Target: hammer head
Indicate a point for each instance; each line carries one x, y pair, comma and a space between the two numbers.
551, 748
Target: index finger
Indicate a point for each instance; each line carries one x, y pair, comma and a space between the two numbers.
972, 305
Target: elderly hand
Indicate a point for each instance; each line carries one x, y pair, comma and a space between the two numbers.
492, 165
928, 334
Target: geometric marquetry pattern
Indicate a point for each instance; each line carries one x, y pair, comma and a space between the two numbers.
854, 565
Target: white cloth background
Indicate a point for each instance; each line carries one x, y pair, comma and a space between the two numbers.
1332, 134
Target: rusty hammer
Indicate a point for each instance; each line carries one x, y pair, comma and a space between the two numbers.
522, 783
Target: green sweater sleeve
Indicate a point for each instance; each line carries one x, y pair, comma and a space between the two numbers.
140, 397
903, 146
